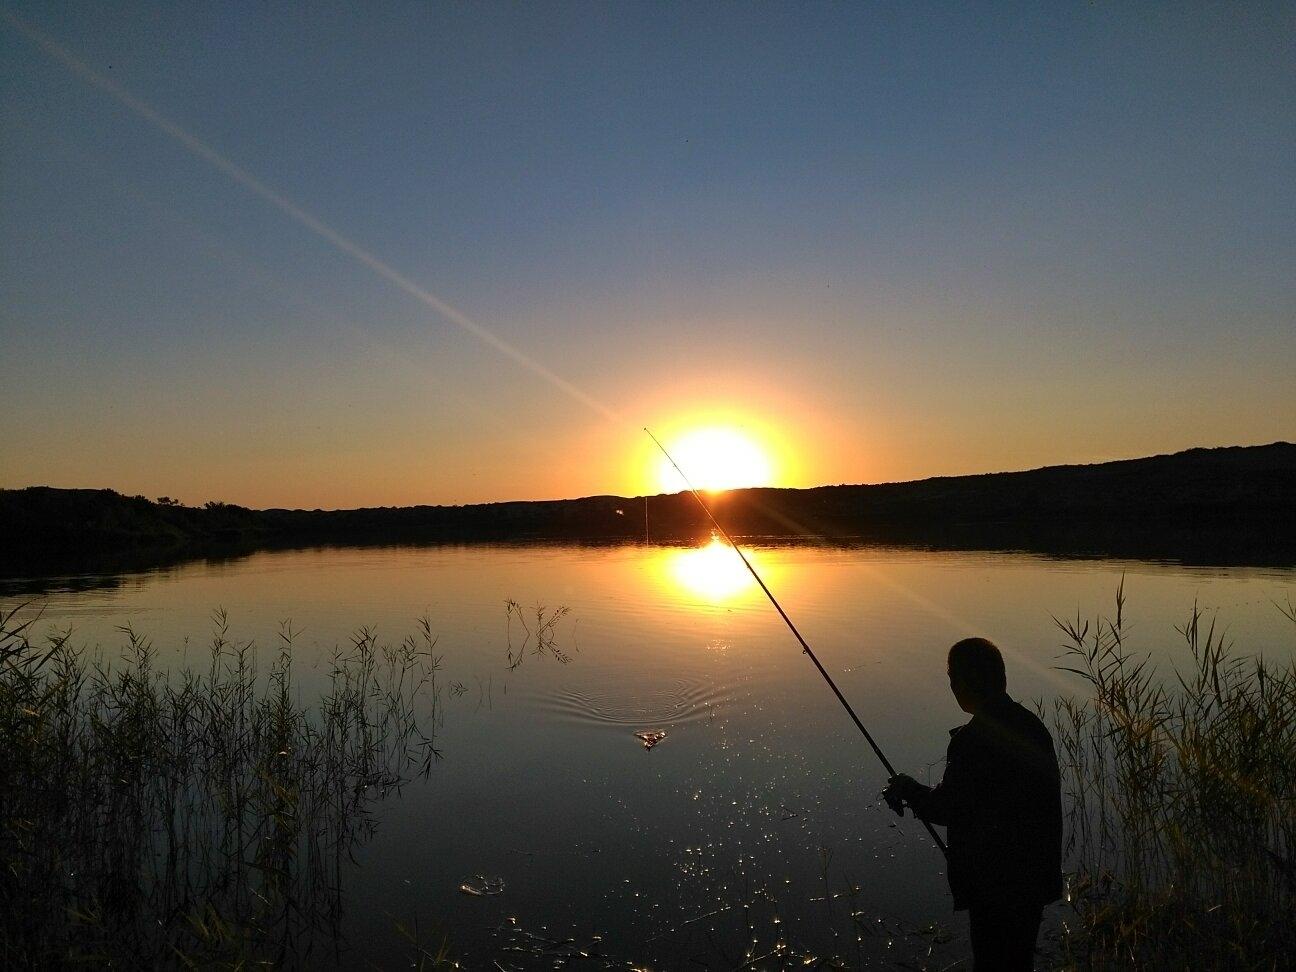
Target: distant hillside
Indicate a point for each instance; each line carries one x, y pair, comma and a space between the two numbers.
1242, 498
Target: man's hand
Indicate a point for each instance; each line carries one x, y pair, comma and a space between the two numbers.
900, 791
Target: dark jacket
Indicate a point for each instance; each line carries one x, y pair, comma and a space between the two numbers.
1000, 799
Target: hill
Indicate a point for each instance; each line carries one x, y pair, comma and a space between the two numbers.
1237, 502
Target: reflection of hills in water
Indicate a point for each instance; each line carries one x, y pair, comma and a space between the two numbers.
677, 701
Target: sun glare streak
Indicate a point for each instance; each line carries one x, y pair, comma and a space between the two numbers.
968, 629
285, 205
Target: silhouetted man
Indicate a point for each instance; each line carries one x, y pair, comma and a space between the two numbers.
1000, 799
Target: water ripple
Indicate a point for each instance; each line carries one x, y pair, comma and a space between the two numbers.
674, 702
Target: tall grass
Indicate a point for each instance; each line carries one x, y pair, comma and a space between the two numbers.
1182, 794
196, 817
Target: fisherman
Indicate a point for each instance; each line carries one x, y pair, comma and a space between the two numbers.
1000, 800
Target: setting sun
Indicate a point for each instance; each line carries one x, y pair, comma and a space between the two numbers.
715, 458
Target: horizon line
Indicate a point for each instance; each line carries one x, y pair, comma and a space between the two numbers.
736, 489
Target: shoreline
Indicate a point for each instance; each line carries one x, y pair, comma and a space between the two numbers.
1218, 507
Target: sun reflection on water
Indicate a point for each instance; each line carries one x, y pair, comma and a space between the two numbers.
713, 572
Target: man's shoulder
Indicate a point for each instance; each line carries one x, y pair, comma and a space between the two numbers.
1007, 710
1007, 719
1029, 721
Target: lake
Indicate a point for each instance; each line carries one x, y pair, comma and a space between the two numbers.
756, 821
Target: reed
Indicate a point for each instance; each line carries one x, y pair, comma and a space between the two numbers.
194, 817
1182, 802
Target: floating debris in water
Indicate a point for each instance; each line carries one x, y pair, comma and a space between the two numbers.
482, 886
650, 737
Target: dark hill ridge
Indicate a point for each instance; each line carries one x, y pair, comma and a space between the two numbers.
1243, 498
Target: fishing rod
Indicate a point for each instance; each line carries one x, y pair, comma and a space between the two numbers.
886, 763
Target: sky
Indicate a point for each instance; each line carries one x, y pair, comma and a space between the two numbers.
348, 255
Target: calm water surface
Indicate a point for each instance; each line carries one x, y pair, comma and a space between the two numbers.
761, 793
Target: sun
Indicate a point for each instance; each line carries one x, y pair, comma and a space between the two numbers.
714, 459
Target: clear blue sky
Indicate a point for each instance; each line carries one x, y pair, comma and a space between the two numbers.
892, 240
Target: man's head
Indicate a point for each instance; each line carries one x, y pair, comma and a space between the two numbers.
976, 672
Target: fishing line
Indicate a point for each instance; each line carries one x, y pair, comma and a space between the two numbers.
886, 763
